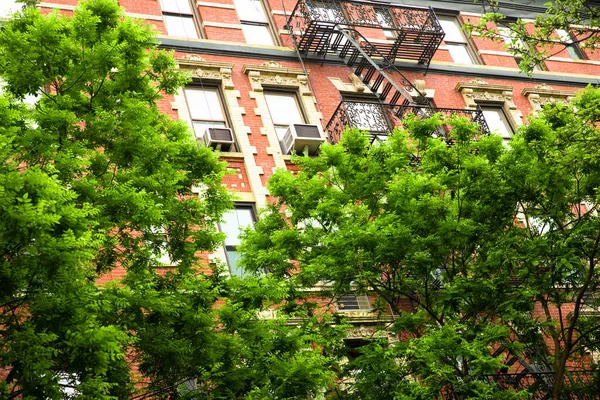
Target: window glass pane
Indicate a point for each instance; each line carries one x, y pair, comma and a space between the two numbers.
460, 54
204, 104
283, 108
452, 30
234, 222
509, 38
233, 257
164, 258
178, 6
245, 217
574, 52
257, 34
200, 126
281, 130
180, 26
250, 10
497, 122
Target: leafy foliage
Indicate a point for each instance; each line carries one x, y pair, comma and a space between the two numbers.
454, 247
96, 182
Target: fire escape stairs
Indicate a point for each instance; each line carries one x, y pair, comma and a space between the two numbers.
375, 70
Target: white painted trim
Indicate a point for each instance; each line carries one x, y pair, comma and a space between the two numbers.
145, 16
222, 25
215, 5
55, 5
496, 53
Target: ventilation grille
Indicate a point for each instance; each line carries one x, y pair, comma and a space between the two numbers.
307, 131
219, 138
220, 134
352, 302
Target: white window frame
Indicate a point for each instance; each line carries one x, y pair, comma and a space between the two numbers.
252, 25
458, 44
181, 18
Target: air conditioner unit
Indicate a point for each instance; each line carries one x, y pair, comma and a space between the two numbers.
353, 303
301, 138
219, 138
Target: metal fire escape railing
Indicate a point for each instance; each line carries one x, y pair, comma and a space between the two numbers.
337, 27
379, 119
413, 32
340, 27
579, 385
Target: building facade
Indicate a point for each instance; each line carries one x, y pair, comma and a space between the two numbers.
273, 77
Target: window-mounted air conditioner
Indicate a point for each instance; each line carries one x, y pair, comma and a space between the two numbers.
219, 138
302, 138
353, 303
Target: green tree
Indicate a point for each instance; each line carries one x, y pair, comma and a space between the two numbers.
94, 179
534, 42
480, 249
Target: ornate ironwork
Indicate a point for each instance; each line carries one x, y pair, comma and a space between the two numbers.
369, 15
379, 119
316, 25
368, 116
579, 385
475, 115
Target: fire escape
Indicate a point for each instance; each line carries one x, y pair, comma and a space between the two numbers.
339, 28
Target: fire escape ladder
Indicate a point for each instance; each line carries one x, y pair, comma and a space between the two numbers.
375, 70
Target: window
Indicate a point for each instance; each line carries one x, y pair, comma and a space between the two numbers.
386, 21
514, 43
156, 239
353, 302
206, 109
574, 50
353, 347
179, 18
234, 222
497, 121
456, 42
255, 24
284, 110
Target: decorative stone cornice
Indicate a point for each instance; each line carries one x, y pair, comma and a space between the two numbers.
479, 90
544, 94
200, 68
370, 331
272, 73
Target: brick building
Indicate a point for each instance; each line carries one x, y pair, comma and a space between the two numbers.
275, 76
